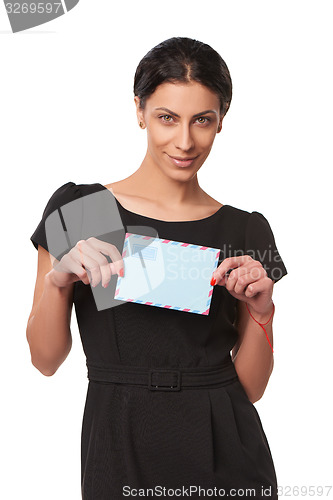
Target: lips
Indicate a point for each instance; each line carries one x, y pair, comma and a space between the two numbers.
182, 161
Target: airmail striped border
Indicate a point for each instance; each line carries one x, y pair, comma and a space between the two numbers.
168, 242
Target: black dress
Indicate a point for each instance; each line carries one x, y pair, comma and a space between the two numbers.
136, 438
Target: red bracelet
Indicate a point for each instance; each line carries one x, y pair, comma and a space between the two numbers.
262, 324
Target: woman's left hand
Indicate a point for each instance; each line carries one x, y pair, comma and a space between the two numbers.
248, 281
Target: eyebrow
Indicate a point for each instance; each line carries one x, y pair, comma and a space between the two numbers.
194, 116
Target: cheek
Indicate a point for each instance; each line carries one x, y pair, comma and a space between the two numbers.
204, 138
159, 136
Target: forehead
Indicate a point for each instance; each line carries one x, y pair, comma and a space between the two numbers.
183, 97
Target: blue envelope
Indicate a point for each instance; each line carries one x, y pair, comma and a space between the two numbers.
166, 273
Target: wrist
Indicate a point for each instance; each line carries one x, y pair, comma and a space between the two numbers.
262, 316
48, 279
50, 283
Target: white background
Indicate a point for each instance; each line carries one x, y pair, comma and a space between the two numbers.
67, 114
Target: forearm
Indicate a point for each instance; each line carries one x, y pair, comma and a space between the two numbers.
48, 330
254, 359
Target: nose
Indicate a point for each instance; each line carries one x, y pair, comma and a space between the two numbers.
184, 139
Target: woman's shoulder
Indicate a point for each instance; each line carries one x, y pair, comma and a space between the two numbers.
237, 213
67, 192
60, 196
71, 189
245, 221
243, 214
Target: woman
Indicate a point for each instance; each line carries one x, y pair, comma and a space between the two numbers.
192, 424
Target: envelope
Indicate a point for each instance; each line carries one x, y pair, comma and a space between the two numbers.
167, 273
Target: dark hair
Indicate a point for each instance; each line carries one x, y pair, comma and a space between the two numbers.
182, 59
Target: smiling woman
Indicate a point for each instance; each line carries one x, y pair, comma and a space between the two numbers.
170, 395
190, 82
181, 138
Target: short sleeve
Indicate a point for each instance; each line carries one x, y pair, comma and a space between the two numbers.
51, 231
260, 245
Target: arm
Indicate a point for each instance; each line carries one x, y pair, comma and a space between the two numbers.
252, 354
48, 329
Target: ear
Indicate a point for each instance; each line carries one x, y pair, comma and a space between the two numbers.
219, 128
139, 111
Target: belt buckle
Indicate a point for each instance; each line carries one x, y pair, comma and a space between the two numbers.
152, 387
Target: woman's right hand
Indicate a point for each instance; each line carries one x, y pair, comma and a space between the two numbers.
85, 262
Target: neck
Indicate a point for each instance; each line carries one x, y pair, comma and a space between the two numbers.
151, 182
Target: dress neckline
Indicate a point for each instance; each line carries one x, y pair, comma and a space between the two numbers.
160, 220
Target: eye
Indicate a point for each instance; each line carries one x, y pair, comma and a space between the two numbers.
164, 118
203, 118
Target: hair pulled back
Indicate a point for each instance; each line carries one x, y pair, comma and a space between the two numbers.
182, 59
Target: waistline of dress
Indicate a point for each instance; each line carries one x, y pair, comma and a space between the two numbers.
165, 379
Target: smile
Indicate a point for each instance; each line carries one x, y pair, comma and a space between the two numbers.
182, 162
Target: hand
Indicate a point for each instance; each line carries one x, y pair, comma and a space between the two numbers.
248, 281
86, 262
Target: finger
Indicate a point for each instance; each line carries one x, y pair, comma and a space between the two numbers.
232, 276
254, 274
225, 278
262, 285
94, 248
88, 259
85, 277
69, 265
111, 251
230, 263
101, 270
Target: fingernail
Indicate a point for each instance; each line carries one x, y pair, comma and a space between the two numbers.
121, 272
213, 281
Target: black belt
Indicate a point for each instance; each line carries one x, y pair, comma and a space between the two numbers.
162, 379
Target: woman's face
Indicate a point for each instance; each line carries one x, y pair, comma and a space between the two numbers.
182, 120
